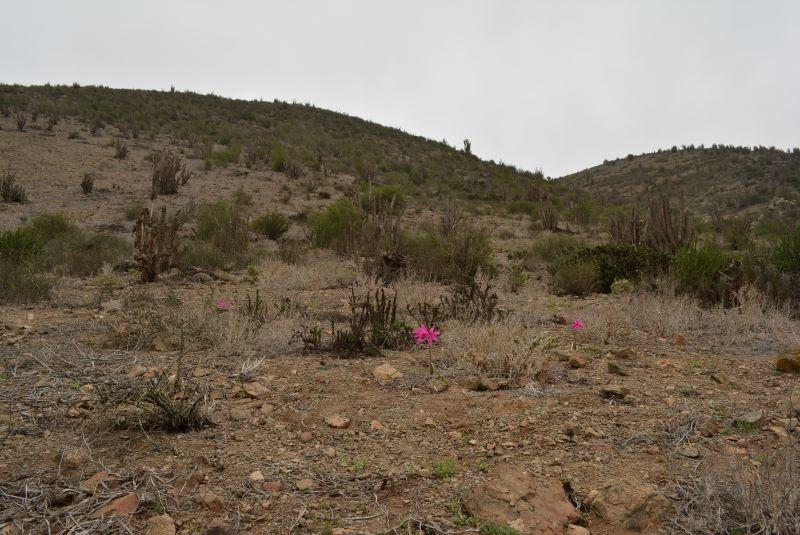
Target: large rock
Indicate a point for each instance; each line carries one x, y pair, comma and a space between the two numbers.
124, 505
629, 505
788, 361
512, 497
160, 525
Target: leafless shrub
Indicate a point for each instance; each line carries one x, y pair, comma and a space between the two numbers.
628, 227
293, 168
169, 173
10, 191
453, 218
87, 184
548, 217
733, 496
293, 251
668, 230
22, 120
120, 149
52, 121
155, 243
472, 302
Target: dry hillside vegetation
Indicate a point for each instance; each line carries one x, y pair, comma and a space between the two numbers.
234, 354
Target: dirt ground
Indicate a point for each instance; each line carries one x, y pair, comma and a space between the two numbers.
311, 443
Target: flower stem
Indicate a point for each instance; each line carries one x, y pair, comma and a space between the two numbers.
430, 358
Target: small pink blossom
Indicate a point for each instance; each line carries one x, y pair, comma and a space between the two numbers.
426, 335
577, 325
224, 304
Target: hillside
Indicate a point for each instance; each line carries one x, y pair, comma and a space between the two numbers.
730, 179
223, 131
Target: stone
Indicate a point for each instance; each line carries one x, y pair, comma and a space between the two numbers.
788, 361
577, 361
159, 344
629, 505
376, 425
680, 339
709, 427
692, 452
330, 452
574, 529
5, 471
212, 502
625, 353
386, 372
306, 485
779, 432
617, 369
436, 384
272, 486
614, 392
306, 436
124, 505
255, 390
513, 497
256, 476
90, 485
719, 378
429, 422
754, 418
338, 422
266, 408
112, 305
482, 383
71, 459
240, 413
218, 526
160, 525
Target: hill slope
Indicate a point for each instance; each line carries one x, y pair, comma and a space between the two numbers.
729, 179
223, 131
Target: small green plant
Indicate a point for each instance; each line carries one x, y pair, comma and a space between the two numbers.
241, 197
445, 468
132, 211
357, 464
621, 287
745, 427
272, 225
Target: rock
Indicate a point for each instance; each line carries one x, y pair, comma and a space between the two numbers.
779, 432
386, 372
754, 418
719, 378
573, 529
692, 452
255, 390
201, 372
306, 436
480, 384
330, 452
159, 344
618, 369
266, 408
90, 485
512, 497
624, 353
70, 459
429, 422
124, 505
272, 486
436, 384
212, 502
788, 361
5, 472
240, 413
218, 526
577, 361
256, 476
614, 392
338, 422
376, 425
160, 525
709, 427
306, 485
112, 305
680, 339
629, 505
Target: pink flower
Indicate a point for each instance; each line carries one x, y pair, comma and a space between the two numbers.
426, 335
224, 304
577, 325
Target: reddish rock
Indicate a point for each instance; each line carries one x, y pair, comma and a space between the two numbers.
124, 505
512, 497
338, 422
212, 502
160, 525
272, 486
306, 436
90, 485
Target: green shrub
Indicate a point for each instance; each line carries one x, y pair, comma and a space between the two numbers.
621, 287
573, 276
384, 200
272, 225
10, 191
19, 283
457, 257
132, 211
338, 227
785, 255
49, 226
609, 263
20, 245
705, 272
550, 246
80, 253
222, 239
522, 207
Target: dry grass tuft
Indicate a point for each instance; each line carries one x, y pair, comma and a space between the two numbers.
733, 497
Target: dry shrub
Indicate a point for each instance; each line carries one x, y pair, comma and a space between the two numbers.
322, 270
10, 191
87, 184
733, 496
120, 149
507, 351
664, 314
169, 173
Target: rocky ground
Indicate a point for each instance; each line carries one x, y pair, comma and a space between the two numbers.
606, 440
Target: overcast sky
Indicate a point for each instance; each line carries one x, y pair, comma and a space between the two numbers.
557, 85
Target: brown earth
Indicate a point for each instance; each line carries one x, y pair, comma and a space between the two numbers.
642, 401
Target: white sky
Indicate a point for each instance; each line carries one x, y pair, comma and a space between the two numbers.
559, 85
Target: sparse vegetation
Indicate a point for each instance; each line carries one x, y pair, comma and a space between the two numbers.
169, 173
272, 225
10, 191
87, 184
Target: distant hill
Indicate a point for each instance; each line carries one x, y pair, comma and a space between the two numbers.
226, 131
733, 180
